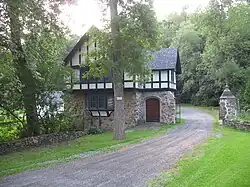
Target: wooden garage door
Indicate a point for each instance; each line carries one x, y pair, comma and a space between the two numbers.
152, 110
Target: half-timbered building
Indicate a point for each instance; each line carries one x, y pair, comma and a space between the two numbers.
152, 101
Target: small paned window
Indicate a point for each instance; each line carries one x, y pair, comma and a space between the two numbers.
155, 76
100, 102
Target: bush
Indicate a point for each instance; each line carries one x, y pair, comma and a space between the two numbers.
95, 130
245, 116
9, 131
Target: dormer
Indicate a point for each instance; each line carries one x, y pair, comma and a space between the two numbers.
165, 65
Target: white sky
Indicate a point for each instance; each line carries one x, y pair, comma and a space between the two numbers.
84, 13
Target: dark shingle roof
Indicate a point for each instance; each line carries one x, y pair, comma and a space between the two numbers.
227, 93
166, 58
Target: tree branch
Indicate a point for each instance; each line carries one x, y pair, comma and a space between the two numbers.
12, 113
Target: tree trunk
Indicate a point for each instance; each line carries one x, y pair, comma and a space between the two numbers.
23, 72
119, 114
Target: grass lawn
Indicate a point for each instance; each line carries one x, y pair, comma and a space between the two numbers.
223, 161
91, 144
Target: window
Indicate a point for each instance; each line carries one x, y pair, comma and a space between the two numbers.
172, 76
94, 101
83, 71
164, 76
80, 58
76, 76
155, 76
100, 102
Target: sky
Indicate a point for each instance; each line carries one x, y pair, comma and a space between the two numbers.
85, 13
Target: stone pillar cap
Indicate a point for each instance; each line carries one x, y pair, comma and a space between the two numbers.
227, 93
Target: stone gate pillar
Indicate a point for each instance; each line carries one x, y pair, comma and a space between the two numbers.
228, 105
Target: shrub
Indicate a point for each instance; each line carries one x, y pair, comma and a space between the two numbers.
95, 130
9, 131
245, 116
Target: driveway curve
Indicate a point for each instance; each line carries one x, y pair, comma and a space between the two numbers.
129, 167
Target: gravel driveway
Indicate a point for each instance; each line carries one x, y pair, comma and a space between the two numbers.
132, 166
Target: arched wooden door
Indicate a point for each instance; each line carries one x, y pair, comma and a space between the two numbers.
152, 110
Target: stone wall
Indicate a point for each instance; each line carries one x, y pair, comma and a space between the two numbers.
130, 119
228, 105
46, 139
139, 108
237, 124
74, 105
167, 105
135, 109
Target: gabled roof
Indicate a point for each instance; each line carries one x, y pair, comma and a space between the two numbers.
166, 58
82, 40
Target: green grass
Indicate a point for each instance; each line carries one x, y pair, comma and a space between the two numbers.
35, 158
223, 161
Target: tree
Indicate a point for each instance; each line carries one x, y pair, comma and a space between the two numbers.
214, 50
190, 44
23, 25
124, 47
119, 116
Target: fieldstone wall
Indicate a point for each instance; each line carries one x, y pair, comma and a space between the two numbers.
139, 108
74, 105
130, 118
237, 124
46, 139
135, 109
167, 105
228, 105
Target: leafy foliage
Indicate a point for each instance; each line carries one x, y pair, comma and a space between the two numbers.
138, 35
214, 48
32, 47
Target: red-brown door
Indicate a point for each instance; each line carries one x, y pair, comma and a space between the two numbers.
152, 110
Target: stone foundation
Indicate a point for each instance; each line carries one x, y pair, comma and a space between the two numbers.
135, 109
